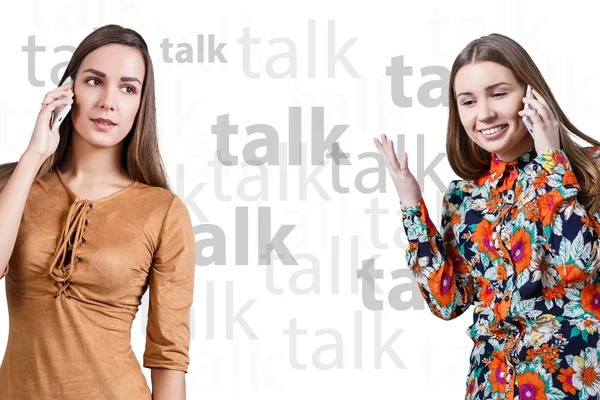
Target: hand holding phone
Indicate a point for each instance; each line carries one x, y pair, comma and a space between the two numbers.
60, 113
44, 141
526, 120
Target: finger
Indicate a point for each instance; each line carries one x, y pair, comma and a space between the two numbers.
51, 96
550, 114
48, 108
535, 118
542, 111
391, 149
390, 144
539, 97
377, 144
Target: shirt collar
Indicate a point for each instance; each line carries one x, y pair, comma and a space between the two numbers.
500, 168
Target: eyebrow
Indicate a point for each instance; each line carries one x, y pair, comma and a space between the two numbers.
487, 88
123, 78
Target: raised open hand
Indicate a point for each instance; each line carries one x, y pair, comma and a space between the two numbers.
407, 187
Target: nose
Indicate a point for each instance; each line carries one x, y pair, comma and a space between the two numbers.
485, 112
107, 101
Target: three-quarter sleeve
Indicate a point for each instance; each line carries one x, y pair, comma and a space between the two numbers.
171, 290
571, 234
443, 276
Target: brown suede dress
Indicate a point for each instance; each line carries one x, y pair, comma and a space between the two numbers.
75, 280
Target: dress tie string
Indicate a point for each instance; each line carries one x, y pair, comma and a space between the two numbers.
70, 239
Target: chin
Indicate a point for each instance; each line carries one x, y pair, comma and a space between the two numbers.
100, 139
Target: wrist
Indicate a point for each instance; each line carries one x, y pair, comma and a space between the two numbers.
33, 157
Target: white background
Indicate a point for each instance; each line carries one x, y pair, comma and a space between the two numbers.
433, 353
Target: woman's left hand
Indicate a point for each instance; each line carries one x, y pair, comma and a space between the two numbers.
545, 126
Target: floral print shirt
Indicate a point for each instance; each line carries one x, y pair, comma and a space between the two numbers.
518, 246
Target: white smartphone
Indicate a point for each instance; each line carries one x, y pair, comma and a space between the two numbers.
60, 113
526, 119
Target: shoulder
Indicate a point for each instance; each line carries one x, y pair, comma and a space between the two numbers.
458, 191
461, 187
160, 200
154, 194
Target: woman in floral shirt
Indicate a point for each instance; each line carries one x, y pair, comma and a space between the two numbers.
519, 235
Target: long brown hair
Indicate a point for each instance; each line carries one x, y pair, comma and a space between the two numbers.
141, 158
469, 161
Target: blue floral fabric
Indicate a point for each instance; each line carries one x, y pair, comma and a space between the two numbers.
518, 246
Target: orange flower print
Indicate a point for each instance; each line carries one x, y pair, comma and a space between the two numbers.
540, 181
499, 369
547, 204
566, 377
483, 236
442, 285
554, 292
501, 309
501, 272
590, 299
531, 386
520, 249
569, 178
487, 293
570, 274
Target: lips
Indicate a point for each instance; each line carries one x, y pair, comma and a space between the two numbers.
102, 127
104, 120
491, 127
494, 135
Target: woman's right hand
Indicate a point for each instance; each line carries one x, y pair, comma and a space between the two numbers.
406, 185
43, 141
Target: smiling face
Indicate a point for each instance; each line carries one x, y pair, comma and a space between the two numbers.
489, 96
108, 85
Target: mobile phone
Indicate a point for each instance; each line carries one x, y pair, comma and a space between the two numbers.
526, 119
60, 113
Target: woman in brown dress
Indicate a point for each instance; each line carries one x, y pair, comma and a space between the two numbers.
88, 225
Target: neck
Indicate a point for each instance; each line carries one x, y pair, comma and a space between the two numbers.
85, 162
513, 153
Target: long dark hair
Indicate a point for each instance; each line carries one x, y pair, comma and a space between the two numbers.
141, 157
470, 162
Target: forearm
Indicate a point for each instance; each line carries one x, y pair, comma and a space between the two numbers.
167, 384
446, 284
12, 203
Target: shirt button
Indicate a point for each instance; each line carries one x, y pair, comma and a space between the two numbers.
86, 221
511, 167
91, 205
506, 298
418, 213
506, 259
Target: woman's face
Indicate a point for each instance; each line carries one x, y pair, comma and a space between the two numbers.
489, 96
108, 85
